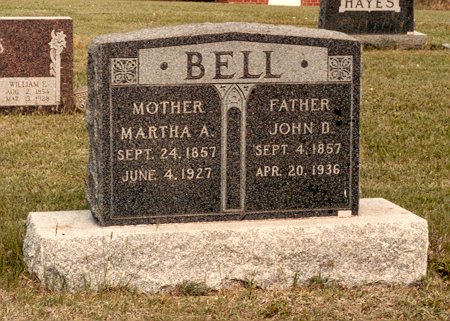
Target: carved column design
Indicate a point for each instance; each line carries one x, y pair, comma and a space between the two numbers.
234, 113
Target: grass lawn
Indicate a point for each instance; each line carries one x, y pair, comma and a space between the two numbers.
405, 148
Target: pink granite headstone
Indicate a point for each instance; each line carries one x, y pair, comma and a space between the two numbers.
36, 64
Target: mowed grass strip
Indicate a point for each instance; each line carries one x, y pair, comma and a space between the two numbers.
404, 153
43, 168
405, 136
428, 301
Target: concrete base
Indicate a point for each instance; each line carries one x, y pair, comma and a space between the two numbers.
385, 243
412, 40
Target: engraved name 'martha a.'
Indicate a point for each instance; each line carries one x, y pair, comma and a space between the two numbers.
369, 5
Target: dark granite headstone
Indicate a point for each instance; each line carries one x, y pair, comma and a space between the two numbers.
35, 64
367, 16
223, 122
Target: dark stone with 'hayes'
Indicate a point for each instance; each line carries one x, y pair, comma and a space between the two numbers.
35, 64
367, 16
223, 122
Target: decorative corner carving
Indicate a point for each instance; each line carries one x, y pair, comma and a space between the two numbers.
124, 71
340, 68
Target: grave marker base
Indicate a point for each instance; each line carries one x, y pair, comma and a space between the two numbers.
384, 243
412, 40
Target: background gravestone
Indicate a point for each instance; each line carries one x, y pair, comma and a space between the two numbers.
223, 122
35, 64
367, 16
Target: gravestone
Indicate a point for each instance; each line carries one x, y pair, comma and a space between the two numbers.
35, 64
387, 24
223, 122
367, 16
80, 97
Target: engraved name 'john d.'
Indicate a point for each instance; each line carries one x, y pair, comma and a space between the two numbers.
230, 128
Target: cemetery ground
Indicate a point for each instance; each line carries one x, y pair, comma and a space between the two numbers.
405, 148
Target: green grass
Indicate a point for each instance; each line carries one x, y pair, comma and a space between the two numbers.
405, 136
405, 152
432, 4
428, 302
